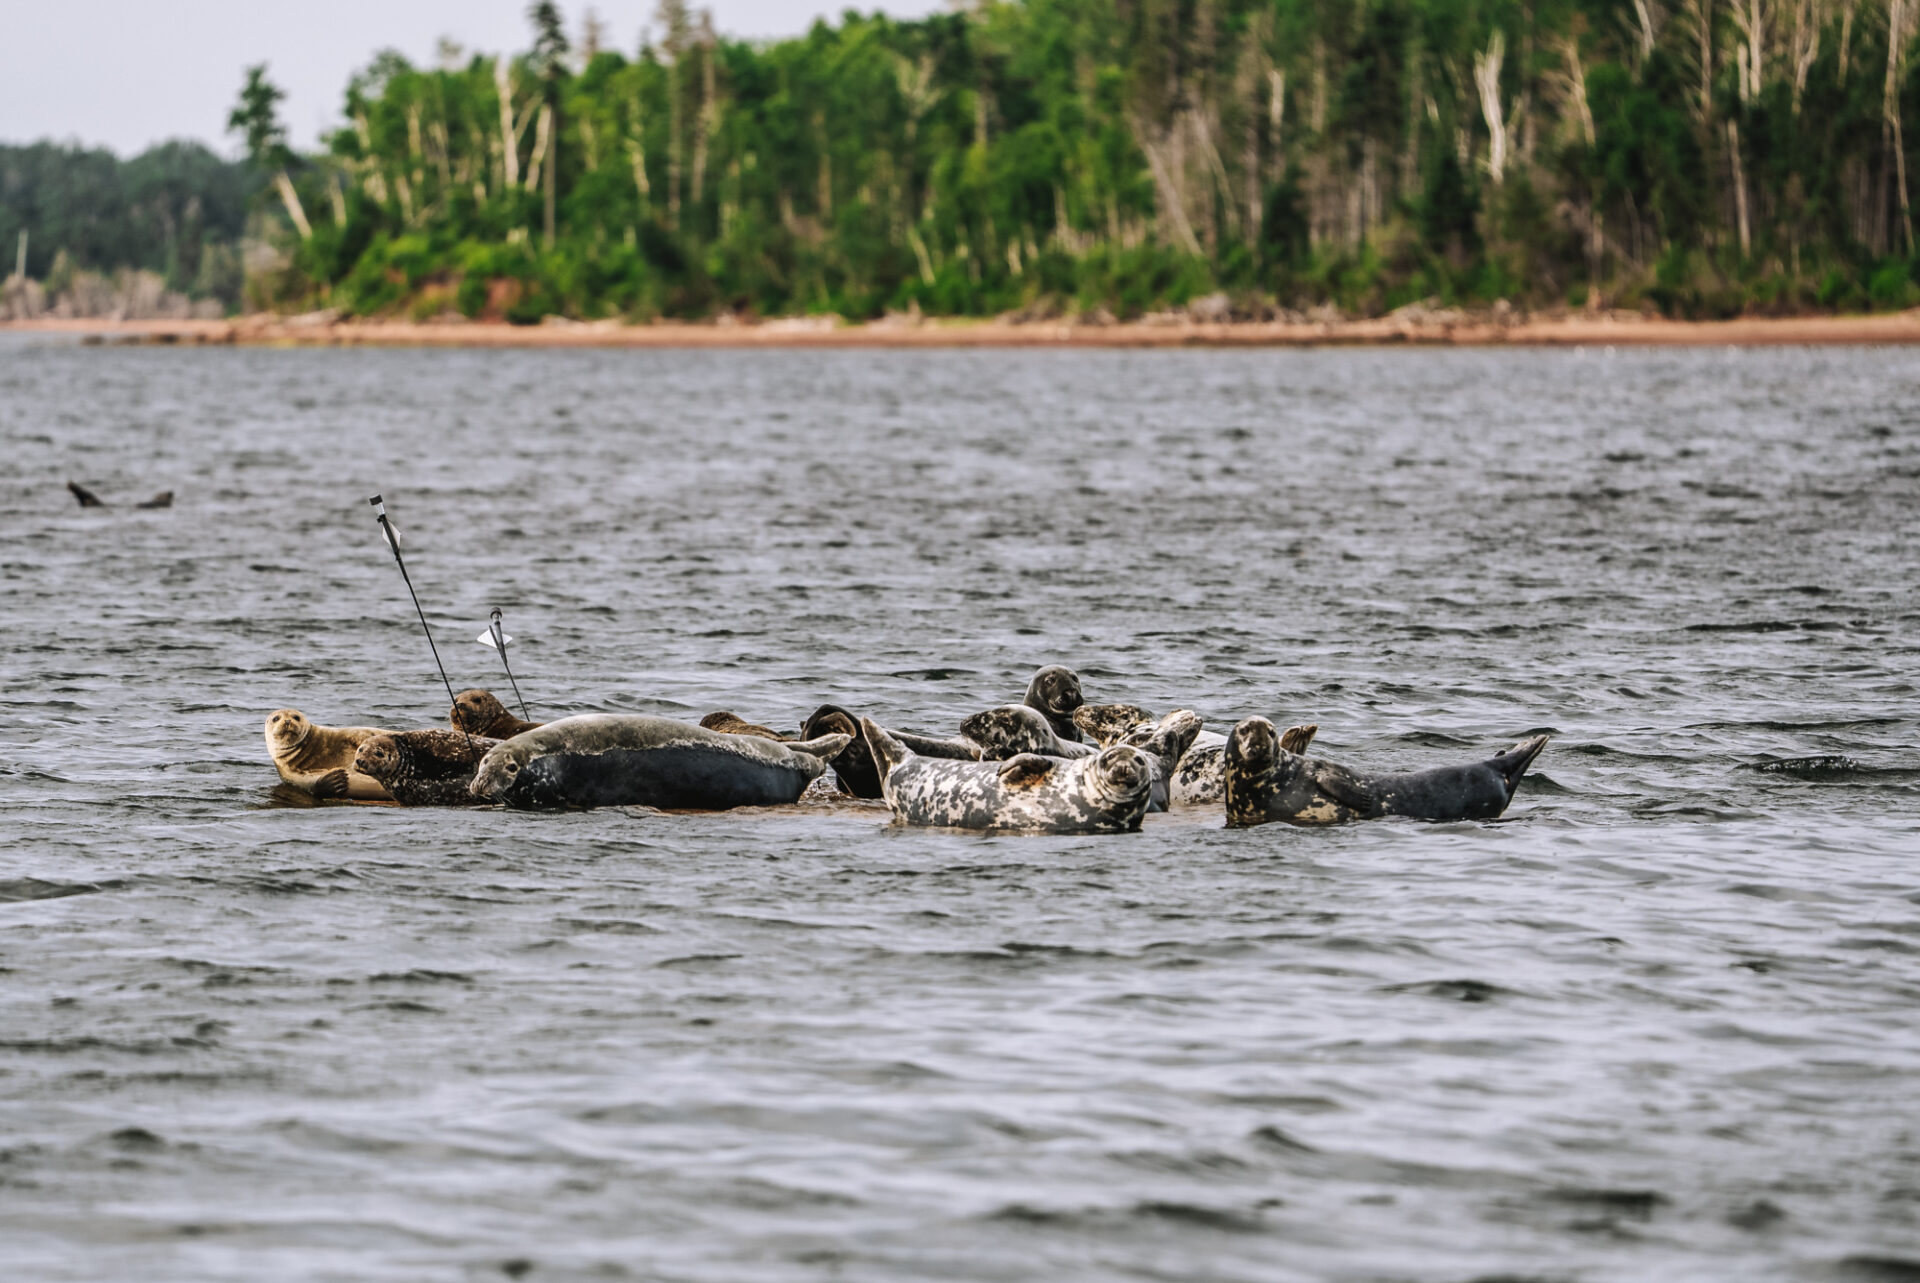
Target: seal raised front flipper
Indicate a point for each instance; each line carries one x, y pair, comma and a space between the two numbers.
1345, 786
1029, 770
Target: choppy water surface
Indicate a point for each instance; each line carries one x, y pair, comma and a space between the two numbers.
1660, 1022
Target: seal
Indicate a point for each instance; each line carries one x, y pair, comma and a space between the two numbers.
854, 767
85, 497
1108, 724
1267, 782
1166, 744
1200, 777
478, 712
610, 759
423, 768
1012, 729
1055, 693
728, 724
1106, 793
319, 759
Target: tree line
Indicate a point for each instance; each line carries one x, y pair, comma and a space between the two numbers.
1704, 157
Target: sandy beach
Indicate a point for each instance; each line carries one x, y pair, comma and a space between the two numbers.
1411, 327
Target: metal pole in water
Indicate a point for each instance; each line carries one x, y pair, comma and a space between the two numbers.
499, 639
393, 541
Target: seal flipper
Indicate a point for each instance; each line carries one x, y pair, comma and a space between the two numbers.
332, 784
1513, 763
1028, 770
887, 751
1344, 787
1296, 739
822, 746
87, 498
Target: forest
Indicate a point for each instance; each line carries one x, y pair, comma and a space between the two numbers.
1098, 158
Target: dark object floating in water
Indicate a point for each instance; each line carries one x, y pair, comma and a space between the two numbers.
88, 499
1824, 766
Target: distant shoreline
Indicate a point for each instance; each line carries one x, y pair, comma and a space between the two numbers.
1568, 330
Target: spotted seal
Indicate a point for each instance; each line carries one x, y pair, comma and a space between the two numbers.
854, 766
319, 759
1012, 729
729, 724
1107, 793
1266, 782
1055, 693
610, 759
479, 712
1165, 743
1200, 776
423, 768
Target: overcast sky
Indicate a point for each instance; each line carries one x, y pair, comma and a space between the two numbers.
128, 73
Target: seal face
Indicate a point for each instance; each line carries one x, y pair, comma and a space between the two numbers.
478, 712
1012, 729
1266, 781
1104, 793
319, 759
1166, 744
423, 768
1055, 693
606, 759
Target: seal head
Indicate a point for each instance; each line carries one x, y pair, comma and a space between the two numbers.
479, 712
1055, 692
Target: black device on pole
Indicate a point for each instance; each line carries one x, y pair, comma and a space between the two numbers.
393, 542
500, 644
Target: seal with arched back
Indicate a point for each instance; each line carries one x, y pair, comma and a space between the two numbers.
1106, 793
479, 712
1266, 782
1012, 729
319, 759
423, 768
732, 724
610, 759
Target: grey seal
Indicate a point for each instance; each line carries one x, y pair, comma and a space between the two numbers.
479, 712
424, 768
1055, 693
1166, 744
854, 766
1200, 776
733, 724
1012, 729
1107, 793
1266, 782
609, 759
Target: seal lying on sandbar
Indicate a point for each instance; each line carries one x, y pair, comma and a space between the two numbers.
1165, 743
729, 724
1266, 782
1200, 776
1012, 729
479, 712
423, 768
1107, 793
1055, 693
609, 759
854, 766
319, 759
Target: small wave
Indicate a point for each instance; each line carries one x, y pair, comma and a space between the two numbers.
1453, 990
18, 889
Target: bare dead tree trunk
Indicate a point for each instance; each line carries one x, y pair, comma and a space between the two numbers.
1899, 21
291, 199
1486, 78
1739, 190
509, 133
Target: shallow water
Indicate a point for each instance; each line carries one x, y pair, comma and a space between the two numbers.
1659, 1022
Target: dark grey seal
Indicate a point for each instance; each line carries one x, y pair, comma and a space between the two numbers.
424, 768
854, 767
1107, 793
607, 759
1266, 782
1055, 693
479, 712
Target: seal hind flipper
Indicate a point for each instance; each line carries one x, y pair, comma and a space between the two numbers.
887, 751
87, 498
1296, 739
822, 746
1028, 770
